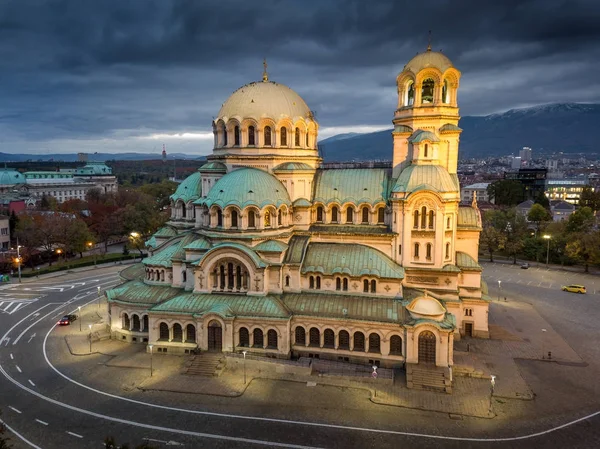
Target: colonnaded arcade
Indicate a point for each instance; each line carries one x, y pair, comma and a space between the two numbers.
267, 252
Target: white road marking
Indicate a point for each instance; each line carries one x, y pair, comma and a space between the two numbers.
16, 340
31, 338
60, 314
31, 382
14, 409
168, 443
75, 434
11, 356
21, 437
18, 369
529, 282
44, 423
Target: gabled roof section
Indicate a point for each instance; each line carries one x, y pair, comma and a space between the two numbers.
271, 246
258, 261
190, 189
364, 185
296, 249
292, 167
166, 231
420, 135
302, 202
175, 251
466, 262
468, 217
351, 259
449, 127
137, 292
201, 243
213, 167
426, 177
185, 241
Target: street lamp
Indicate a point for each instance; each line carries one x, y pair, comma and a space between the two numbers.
134, 235
90, 326
244, 352
98, 296
499, 288
547, 237
19, 260
492, 384
59, 252
79, 309
150, 346
89, 245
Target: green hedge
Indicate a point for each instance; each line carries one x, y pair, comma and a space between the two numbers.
79, 263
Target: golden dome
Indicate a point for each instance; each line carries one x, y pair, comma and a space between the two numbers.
429, 59
265, 99
426, 307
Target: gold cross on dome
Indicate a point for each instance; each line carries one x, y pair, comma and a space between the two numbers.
265, 74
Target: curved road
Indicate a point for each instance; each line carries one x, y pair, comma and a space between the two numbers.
46, 408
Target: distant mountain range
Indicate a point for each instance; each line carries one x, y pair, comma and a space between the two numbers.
548, 128
72, 157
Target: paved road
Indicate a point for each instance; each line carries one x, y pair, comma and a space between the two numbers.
50, 411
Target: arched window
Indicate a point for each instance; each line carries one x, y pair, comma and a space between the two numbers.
145, 321
163, 332
177, 332
234, 218
366, 286
219, 218
258, 338
236, 136
427, 91
225, 136
251, 135
395, 345
184, 276
251, 219
318, 282
445, 96
373, 286
183, 210
244, 338
410, 94
428, 251
300, 336
374, 343
311, 282
297, 137
349, 215
267, 136
427, 347
365, 215
344, 340
136, 323
423, 217
338, 284
279, 217
314, 337
328, 339
267, 219
431, 219
272, 339
283, 137
426, 151
190, 333
447, 250
126, 322
359, 341
307, 140
380, 215
287, 281
448, 223
345, 284
334, 214
320, 214
416, 250
416, 219
468, 312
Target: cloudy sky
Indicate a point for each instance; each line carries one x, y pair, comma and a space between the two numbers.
130, 75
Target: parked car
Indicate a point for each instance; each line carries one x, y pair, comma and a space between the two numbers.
573, 288
67, 319
525, 266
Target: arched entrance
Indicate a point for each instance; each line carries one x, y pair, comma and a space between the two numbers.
427, 347
215, 336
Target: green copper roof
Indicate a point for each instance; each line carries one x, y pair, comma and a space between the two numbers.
350, 229
190, 189
187, 239
10, 176
136, 292
247, 186
293, 166
449, 127
246, 250
94, 168
451, 268
224, 305
464, 261
167, 231
296, 250
402, 129
426, 177
344, 307
351, 259
468, 217
199, 244
271, 246
151, 242
135, 271
365, 185
419, 136
302, 202
214, 167
175, 251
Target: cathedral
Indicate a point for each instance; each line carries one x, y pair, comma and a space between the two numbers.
268, 252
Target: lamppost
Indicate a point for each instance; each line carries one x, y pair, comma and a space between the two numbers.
547, 237
150, 346
18, 260
244, 352
59, 252
79, 309
89, 245
499, 289
90, 326
492, 384
134, 236
98, 296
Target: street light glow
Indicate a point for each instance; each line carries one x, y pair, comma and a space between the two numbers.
547, 236
134, 234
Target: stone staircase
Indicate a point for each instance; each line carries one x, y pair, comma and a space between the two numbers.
428, 377
208, 364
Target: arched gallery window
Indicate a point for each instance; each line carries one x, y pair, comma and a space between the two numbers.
283, 137
297, 137
267, 136
236, 136
251, 135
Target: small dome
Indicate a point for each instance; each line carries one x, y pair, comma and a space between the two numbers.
247, 186
426, 307
426, 177
293, 166
214, 167
10, 176
429, 59
264, 99
420, 135
189, 189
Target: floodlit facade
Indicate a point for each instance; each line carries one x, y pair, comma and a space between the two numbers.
269, 253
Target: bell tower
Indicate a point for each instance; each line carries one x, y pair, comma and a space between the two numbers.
427, 114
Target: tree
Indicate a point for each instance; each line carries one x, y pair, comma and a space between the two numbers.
516, 232
538, 215
491, 237
584, 247
48, 202
161, 192
580, 221
13, 222
590, 199
542, 200
506, 192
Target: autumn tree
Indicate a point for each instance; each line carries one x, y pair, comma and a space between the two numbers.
492, 238
538, 215
161, 192
584, 247
580, 221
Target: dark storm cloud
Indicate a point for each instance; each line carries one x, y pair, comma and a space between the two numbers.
91, 70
